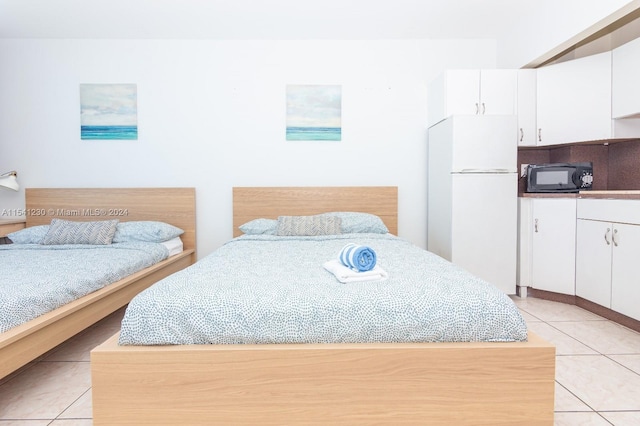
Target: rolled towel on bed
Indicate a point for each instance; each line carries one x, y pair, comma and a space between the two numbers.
348, 275
357, 257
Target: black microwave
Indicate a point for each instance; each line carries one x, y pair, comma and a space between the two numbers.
559, 177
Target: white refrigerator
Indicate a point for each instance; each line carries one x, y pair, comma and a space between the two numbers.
473, 195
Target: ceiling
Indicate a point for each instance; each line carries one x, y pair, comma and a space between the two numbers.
257, 19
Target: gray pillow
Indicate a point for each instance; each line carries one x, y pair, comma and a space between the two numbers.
68, 232
308, 225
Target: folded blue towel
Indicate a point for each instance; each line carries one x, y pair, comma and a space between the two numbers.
357, 257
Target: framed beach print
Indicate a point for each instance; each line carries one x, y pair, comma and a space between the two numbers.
314, 112
108, 111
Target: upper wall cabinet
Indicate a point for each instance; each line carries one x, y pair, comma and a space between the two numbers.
625, 86
472, 92
527, 120
574, 100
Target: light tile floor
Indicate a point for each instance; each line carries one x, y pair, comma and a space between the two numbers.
597, 372
597, 364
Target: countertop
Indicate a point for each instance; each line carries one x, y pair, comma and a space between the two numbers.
616, 195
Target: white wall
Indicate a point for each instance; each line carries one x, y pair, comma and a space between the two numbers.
211, 114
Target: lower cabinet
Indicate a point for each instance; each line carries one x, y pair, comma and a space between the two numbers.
607, 254
625, 288
593, 261
584, 247
547, 244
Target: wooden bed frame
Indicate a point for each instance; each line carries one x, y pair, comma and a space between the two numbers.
21, 345
419, 383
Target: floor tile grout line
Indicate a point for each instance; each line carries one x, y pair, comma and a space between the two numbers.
70, 405
597, 352
538, 319
620, 364
578, 398
607, 355
574, 338
22, 420
18, 373
619, 411
604, 418
529, 313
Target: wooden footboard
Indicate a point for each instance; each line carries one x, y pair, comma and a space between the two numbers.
434, 383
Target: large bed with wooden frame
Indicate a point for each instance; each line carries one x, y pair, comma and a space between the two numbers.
24, 343
344, 383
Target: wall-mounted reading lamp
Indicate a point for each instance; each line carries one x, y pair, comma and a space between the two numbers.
9, 180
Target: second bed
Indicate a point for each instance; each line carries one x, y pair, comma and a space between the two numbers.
260, 332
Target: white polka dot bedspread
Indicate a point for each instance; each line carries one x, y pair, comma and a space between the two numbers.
36, 279
273, 289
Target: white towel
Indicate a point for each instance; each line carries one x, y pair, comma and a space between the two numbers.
346, 275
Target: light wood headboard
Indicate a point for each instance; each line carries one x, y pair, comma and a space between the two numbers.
176, 206
270, 202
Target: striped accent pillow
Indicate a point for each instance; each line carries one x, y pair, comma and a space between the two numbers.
68, 232
308, 225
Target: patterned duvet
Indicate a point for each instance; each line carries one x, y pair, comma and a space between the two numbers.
273, 289
36, 279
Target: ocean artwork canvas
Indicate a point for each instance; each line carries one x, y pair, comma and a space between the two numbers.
108, 111
314, 112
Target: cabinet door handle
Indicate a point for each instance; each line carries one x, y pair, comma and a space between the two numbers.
614, 237
540, 134
477, 108
535, 225
483, 108
606, 236
521, 134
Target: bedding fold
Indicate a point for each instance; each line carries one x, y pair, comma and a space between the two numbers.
348, 275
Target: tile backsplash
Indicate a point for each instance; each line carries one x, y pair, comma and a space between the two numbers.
616, 166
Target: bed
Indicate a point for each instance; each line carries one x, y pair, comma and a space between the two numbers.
176, 206
323, 383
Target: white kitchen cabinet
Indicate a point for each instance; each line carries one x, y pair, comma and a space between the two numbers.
593, 261
625, 291
526, 101
523, 265
574, 100
553, 239
472, 92
625, 100
608, 243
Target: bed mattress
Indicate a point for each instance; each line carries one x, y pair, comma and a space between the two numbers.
271, 289
36, 279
